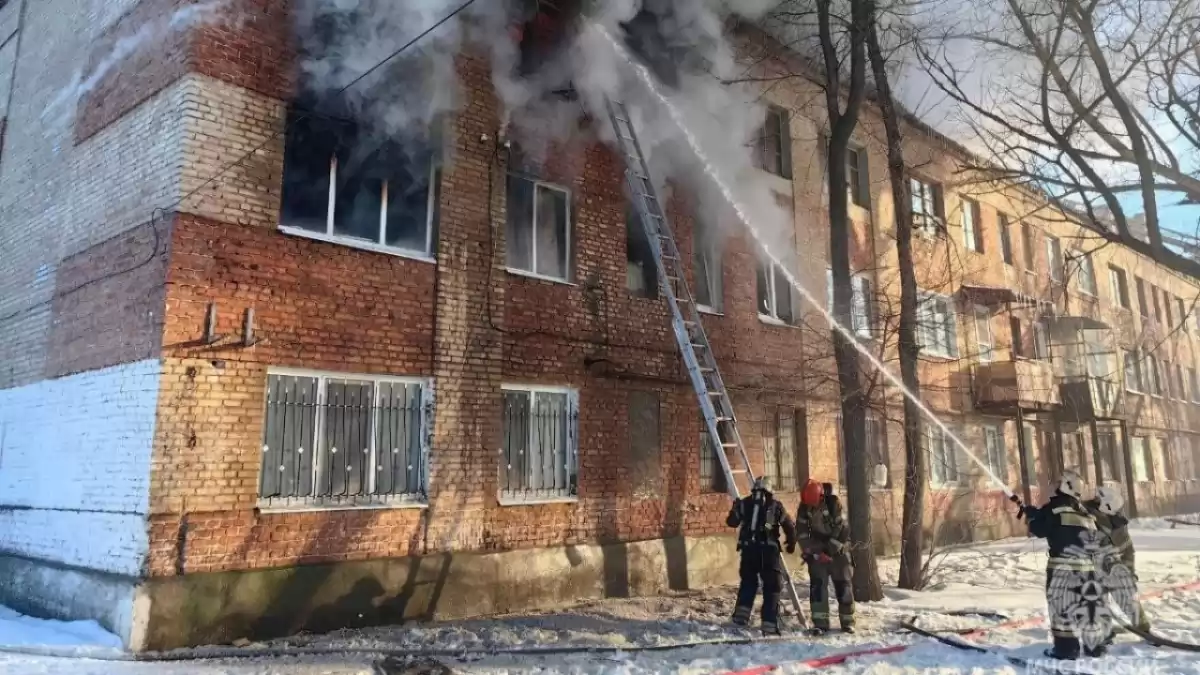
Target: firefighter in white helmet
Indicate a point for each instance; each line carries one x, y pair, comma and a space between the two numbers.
760, 519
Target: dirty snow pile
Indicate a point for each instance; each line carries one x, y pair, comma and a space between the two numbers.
970, 587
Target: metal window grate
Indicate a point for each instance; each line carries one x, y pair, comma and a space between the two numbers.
333, 441
540, 443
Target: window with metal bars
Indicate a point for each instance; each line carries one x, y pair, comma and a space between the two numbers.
539, 458
712, 476
345, 440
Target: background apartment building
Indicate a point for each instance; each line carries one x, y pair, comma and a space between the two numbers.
300, 396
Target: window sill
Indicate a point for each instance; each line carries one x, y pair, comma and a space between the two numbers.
711, 311
301, 506
936, 356
773, 321
536, 501
357, 243
540, 277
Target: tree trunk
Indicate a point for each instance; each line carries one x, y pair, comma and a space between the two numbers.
858, 489
911, 531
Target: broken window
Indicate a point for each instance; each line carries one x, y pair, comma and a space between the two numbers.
538, 228
774, 293
641, 271
345, 184
926, 205
707, 257
774, 148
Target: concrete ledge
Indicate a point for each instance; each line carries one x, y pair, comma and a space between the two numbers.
45, 589
218, 608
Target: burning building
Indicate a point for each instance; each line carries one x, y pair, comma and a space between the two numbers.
275, 359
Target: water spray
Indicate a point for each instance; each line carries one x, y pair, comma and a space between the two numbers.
714, 174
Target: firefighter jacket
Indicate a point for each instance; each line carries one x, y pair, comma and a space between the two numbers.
1063, 522
1116, 528
823, 528
763, 527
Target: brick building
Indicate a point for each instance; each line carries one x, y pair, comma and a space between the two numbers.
186, 363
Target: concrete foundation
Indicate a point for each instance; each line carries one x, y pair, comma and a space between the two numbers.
47, 590
221, 607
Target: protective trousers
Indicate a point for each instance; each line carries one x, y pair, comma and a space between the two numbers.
819, 574
1063, 625
759, 562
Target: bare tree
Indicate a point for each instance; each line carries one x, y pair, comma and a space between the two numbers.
1097, 106
843, 102
908, 349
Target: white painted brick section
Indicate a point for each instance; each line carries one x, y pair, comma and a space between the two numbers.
75, 467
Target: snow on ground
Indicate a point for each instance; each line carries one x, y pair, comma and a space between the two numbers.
1002, 578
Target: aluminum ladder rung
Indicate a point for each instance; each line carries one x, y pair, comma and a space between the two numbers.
701, 366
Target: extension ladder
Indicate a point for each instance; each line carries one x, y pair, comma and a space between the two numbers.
715, 404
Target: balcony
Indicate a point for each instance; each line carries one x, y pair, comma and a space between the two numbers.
1088, 399
1004, 386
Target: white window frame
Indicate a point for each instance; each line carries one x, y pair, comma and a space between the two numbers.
862, 315
712, 255
948, 324
568, 225
854, 179
1054, 258
378, 246
773, 317
985, 348
970, 212
397, 500
1115, 276
1087, 270
1131, 358
925, 194
947, 464
1040, 333
1137, 459
571, 460
996, 454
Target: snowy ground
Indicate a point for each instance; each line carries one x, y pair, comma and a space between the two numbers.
1002, 578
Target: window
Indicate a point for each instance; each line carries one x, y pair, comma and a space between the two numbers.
539, 460
1183, 315
1031, 472
1074, 458
641, 272
712, 474
1054, 259
876, 451
984, 340
1006, 251
779, 448
1109, 468
858, 180
1180, 386
1157, 305
972, 223
936, 324
943, 461
1168, 309
1018, 340
926, 205
1027, 252
774, 149
1153, 376
344, 440
862, 308
1143, 304
1118, 286
774, 293
1168, 384
1187, 459
341, 185
1194, 385
707, 259
1161, 457
1041, 340
997, 456
1087, 274
1133, 370
538, 228
1139, 459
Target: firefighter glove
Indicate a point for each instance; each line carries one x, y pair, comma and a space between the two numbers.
791, 547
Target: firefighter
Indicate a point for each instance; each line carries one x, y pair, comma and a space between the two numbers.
760, 518
824, 537
1066, 526
1106, 508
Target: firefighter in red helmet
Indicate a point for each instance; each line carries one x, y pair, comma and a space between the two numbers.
824, 540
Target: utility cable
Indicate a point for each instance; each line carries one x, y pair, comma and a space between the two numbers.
154, 218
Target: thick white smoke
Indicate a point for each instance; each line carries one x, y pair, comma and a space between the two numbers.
343, 38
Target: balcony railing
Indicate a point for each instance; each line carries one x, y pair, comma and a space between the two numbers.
1004, 386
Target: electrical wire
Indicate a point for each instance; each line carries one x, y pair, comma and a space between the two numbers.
163, 210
